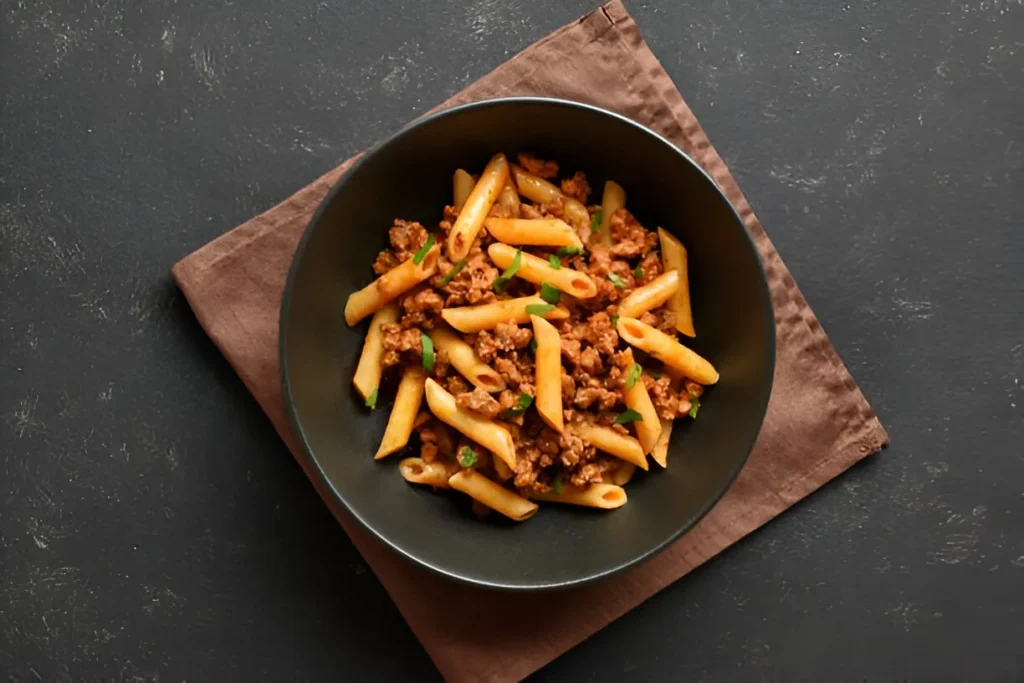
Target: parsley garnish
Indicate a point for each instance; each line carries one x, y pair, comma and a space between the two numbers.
629, 416
634, 375
371, 400
596, 223
428, 352
615, 322
422, 253
467, 457
569, 251
499, 284
549, 293
654, 373
539, 309
456, 269
555, 262
556, 483
522, 403
617, 281
638, 272
533, 346
694, 407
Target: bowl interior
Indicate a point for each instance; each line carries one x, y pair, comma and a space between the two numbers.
410, 177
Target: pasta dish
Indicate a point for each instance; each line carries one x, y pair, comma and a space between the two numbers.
540, 331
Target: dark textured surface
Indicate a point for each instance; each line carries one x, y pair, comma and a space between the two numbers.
153, 526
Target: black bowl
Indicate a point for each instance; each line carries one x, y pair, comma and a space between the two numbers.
409, 176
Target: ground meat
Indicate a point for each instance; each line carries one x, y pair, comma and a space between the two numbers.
577, 187
568, 388
600, 333
473, 284
590, 361
573, 449
436, 440
479, 402
651, 266
538, 167
456, 385
406, 238
421, 309
400, 343
669, 403
662, 319
505, 337
517, 373
592, 472
629, 238
385, 262
594, 393
693, 389
570, 347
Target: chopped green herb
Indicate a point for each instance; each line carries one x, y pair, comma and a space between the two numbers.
428, 352
694, 407
634, 375
654, 373
638, 272
371, 400
615, 320
629, 416
555, 262
539, 309
533, 346
456, 269
510, 272
467, 457
522, 403
569, 251
556, 483
549, 293
617, 281
596, 223
422, 253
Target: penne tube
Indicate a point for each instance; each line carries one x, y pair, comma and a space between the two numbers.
604, 496
538, 232
610, 441
666, 349
488, 434
465, 360
650, 296
478, 205
648, 428
390, 286
462, 185
549, 372
468, 319
660, 451
493, 495
673, 257
369, 370
502, 470
622, 474
613, 199
403, 413
507, 205
537, 270
436, 473
542, 192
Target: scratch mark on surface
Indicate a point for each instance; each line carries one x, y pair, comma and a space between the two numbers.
903, 615
790, 176
23, 419
203, 63
914, 310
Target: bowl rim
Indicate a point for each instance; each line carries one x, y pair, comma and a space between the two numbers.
337, 502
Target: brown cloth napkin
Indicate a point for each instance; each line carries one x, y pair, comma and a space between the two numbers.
818, 422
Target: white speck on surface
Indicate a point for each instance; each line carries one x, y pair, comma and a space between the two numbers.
793, 177
167, 38
107, 393
914, 310
203, 63
903, 615
23, 418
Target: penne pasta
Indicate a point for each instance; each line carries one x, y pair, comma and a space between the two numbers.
390, 286
613, 199
478, 205
537, 270
486, 316
648, 428
622, 474
666, 349
604, 496
462, 185
502, 470
537, 232
465, 360
367, 376
548, 372
436, 473
673, 257
403, 413
610, 441
650, 296
507, 205
488, 434
493, 495
660, 451
542, 192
